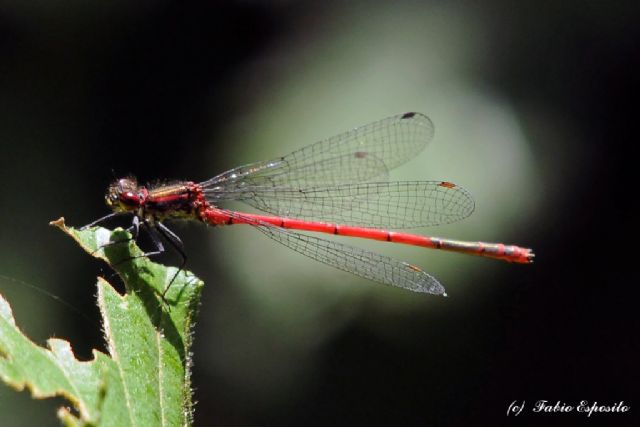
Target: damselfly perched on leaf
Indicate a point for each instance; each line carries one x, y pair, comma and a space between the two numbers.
337, 186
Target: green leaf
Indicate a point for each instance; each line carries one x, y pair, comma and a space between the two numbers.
145, 379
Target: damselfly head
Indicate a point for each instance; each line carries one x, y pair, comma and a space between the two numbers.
124, 195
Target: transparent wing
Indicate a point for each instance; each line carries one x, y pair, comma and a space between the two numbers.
378, 205
361, 154
326, 181
360, 262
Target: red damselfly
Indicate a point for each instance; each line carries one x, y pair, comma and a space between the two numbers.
337, 186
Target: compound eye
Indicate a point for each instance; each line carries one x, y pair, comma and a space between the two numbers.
130, 198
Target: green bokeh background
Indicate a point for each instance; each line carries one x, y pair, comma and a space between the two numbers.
531, 110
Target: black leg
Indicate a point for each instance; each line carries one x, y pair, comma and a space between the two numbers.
177, 244
105, 218
173, 239
155, 239
134, 229
156, 232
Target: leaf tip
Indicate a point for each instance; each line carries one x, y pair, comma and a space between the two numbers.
58, 223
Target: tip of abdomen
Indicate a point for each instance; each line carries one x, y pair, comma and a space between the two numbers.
523, 255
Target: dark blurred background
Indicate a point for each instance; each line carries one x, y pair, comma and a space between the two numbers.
535, 107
